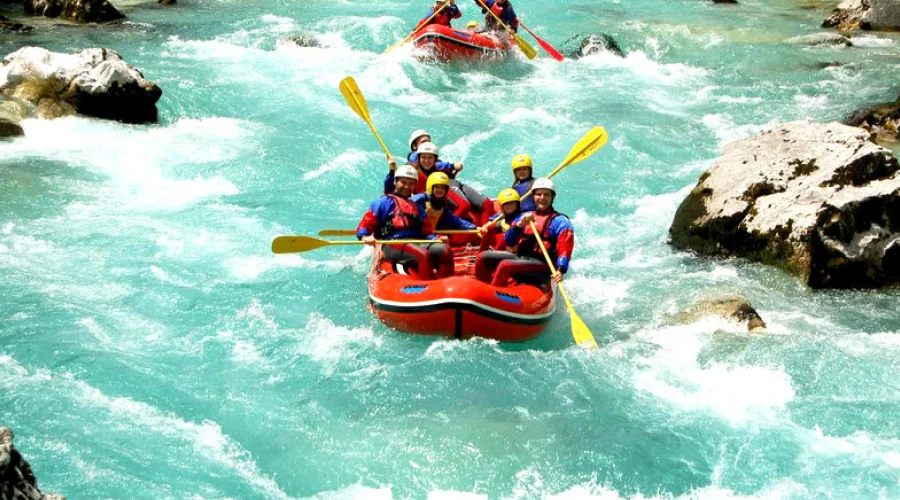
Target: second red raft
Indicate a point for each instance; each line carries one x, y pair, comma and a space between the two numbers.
444, 43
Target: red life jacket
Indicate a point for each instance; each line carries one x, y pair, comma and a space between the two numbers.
443, 18
405, 217
528, 246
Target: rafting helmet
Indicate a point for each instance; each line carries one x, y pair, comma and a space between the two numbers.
543, 183
408, 172
520, 161
471, 24
508, 195
437, 179
428, 148
416, 135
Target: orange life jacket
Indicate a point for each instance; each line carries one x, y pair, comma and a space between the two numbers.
528, 246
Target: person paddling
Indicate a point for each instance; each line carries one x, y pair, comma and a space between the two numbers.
493, 230
525, 262
395, 216
443, 17
504, 10
523, 179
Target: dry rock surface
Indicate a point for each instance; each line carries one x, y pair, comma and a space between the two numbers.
821, 201
94, 82
17, 482
880, 15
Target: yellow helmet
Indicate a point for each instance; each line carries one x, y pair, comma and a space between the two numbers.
520, 161
508, 195
437, 179
471, 24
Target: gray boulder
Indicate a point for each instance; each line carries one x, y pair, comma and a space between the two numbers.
822, 39
732, 308
8, 25
17, 482
82, 11
298, 39
592, 44
880, 15
94, 82
821, 201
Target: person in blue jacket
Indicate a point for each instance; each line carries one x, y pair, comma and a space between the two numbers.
434, 202
525, 262
504, 10
395, 217
523, 179
443, 17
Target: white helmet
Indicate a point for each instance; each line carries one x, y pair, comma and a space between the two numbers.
407, 171
416, 135
428, 148
543, 183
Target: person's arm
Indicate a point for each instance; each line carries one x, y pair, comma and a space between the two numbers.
454, 222
389, 183
455, 13
562, 229
369, 222
514, 233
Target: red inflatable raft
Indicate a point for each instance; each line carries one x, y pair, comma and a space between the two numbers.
458, 306
444, 43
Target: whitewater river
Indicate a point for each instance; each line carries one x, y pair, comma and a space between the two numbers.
152, 347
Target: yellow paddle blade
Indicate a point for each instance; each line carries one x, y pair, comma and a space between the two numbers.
589, 144
527, 49
354, 98
581, 333
295, 244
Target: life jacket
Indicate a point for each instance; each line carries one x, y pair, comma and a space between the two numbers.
443, 18
406, 217
434, 214
489, 20
528, 246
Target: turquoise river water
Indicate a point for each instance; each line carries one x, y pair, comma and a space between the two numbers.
151, 346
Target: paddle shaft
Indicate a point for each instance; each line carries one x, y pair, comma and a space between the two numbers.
392, 47
544, 45
598, 138
519, 40
350, 232
582, 334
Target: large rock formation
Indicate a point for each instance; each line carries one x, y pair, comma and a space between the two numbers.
821, 201
94, 82
82, 11
17, 482
865, 14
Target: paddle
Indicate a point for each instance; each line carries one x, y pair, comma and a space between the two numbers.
357, 102
418, 26
589, 144
528, 50
350, 232
544, 45
296, 244
580, 332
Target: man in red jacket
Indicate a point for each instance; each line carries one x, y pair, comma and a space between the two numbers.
444, 17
